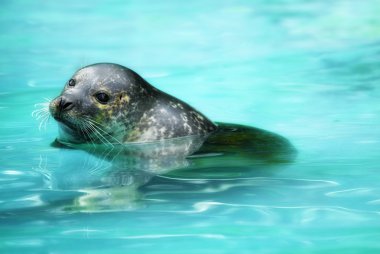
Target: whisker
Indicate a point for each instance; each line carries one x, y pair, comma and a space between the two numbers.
89, 128
85, 133
102, 136
98, 134
42, 113
39, 111
41, 104
43, 122
97, 130
84, 127
99, 127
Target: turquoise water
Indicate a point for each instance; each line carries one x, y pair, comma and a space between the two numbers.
307, 70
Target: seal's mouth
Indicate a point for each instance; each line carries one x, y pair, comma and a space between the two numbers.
60, 119
74, 125
77, 125
72, 130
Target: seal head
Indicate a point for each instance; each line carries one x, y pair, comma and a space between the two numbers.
109, 103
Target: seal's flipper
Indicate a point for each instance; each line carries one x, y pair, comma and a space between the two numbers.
248, 142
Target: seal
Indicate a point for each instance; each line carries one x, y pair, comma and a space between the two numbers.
107, 103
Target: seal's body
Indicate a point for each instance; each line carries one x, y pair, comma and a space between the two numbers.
109, 103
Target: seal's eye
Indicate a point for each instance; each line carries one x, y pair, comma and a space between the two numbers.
71, 82
102, 97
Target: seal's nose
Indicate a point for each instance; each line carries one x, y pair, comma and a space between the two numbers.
64, 105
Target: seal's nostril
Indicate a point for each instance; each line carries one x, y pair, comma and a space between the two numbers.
65, 105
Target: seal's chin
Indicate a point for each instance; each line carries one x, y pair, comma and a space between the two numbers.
69, 134
66, 122
70, 130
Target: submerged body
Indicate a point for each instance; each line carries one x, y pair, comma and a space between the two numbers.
109, 103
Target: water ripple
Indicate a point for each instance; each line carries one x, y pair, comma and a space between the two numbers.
351, 192
158, 236
374, 202
315, 183
11, 172
255, 215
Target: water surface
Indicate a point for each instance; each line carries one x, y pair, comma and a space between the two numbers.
307, 70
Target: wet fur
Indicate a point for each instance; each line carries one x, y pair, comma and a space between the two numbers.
137, 111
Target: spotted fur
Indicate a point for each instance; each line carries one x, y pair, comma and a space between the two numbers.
135, 112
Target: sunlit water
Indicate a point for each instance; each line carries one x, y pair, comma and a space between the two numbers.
307, 70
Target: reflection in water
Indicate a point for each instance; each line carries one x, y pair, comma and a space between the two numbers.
118, 177
309, 69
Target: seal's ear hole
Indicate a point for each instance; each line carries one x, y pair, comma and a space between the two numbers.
122, 96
